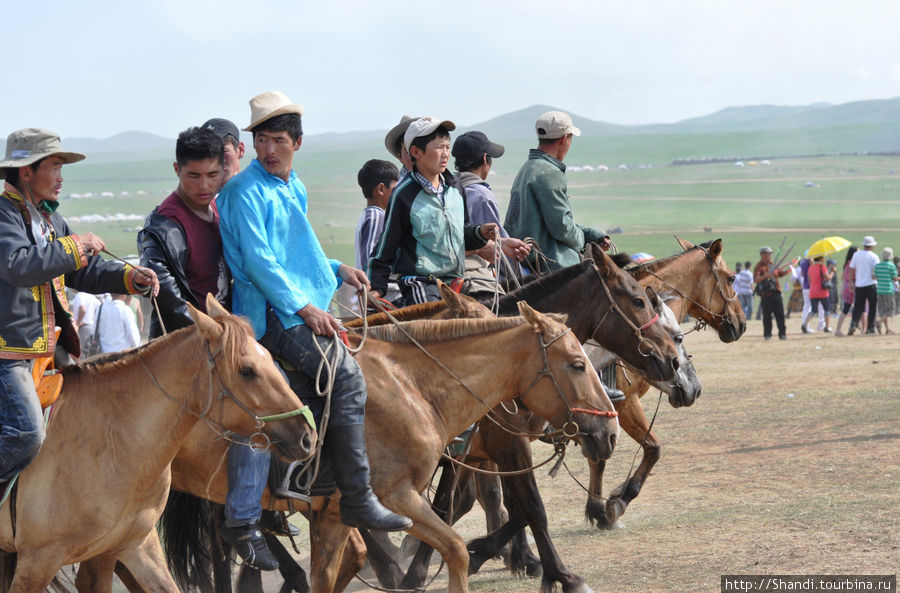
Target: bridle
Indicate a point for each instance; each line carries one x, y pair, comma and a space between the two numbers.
702, 323
613, 306
259, 439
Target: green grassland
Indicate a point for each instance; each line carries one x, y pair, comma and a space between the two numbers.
801, 198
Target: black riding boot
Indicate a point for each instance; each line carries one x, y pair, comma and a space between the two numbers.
608, 380
346, 448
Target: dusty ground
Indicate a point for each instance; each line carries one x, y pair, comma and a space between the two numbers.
789, 463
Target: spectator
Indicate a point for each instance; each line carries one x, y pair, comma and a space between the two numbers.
84, 307
377, 180
393, 141
885, 276
117, 326
820, 281
766, 277
863, 266
805, 264
847, 291
833, 292
743, 286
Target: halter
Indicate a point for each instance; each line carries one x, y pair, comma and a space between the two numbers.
717, 285
570, 428
613, 306
258, 440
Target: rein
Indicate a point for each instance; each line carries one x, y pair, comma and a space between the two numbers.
613, 306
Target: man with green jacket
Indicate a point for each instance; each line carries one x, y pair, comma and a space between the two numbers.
539, 203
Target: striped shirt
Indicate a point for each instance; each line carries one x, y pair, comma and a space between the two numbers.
743, 282
885, 272
368, 232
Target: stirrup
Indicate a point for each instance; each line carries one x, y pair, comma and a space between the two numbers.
283, 489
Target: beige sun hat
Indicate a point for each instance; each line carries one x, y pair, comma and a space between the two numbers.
395, 135
268, 105
28, 145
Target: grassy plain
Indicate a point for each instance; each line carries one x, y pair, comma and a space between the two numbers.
801, 198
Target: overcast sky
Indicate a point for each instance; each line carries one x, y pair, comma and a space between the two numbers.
96, 68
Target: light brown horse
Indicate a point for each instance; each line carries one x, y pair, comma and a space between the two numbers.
101, 479
414, 408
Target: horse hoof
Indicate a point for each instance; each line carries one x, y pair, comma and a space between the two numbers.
617, 525
582, 588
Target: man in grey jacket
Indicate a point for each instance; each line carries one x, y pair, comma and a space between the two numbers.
539, 202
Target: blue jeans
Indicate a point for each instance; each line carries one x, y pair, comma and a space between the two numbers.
248, 470
295, 345
746, 301
21, 420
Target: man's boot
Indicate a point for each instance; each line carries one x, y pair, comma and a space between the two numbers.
248, 542
346, 448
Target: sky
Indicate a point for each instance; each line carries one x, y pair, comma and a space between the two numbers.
96, 68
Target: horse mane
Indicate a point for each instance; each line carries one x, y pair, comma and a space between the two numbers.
540, 287
409, 313
234, 329
641, 270
431, 331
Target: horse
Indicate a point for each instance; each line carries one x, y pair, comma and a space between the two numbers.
100, 480
415, 408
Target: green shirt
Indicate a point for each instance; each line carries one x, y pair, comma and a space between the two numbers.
885, 272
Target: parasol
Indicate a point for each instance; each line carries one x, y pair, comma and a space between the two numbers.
827, 246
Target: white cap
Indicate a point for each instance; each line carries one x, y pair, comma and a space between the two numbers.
424, 126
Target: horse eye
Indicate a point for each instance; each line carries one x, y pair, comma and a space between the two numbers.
731, 280
678, 339
579, 365
637, 302
247, 372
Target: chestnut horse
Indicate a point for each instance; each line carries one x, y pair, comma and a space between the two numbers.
100, 481
415, 408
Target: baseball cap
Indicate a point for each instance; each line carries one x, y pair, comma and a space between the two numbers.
222, 127
424, 126
765, 249
555, 124
473, 145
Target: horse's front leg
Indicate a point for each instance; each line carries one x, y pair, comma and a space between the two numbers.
635, 423
328, 537
147, 565
95, 575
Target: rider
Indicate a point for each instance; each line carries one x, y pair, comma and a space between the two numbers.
283, 283
41, 257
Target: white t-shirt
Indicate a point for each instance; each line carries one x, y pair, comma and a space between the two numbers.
118, 328
89, 304
863, 264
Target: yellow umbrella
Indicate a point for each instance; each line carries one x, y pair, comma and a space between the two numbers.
827, 246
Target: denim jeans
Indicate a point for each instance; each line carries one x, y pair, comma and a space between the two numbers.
21, 420
296, 346
746, 301
248, 470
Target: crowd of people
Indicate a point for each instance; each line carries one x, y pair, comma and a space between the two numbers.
867, 290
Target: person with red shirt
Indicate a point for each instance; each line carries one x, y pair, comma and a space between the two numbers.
819, 296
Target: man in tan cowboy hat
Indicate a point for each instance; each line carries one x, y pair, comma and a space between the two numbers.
393, 141
41, 257
283, 283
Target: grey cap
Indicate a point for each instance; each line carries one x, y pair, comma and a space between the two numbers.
28, 145
222, 127
765, 249
424, 126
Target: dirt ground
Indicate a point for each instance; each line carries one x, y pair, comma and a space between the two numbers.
789, 463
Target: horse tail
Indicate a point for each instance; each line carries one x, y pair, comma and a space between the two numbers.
184, 530
8, 563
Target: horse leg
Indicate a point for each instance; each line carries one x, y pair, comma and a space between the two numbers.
595, 508
293, 574
634, 422
351, 561
249, 580
34, 571
147, 564
95, 575
488, 491
387, 570
328, 538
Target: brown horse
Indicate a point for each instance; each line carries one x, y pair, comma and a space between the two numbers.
100, 481
415, 407
701, 285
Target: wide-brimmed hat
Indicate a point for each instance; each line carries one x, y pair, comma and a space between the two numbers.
424, 126
765, 249
869, 241
555, 124
395, 135
29, 145
268, 105
473, 145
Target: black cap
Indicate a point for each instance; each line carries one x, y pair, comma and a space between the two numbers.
222, 127
473, 145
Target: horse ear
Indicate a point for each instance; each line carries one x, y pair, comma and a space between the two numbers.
655, 301
685, 244
715, 249
206, 325
463, 306
534, 319
214, 307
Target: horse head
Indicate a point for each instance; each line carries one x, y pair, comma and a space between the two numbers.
718, 304
685, 388
627, 324
255, 398
462, 306
568, 391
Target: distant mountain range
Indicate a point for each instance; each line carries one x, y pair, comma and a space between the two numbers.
859, 126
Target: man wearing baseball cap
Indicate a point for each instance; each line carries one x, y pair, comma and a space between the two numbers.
539, 203
865, 289
283, 283
41, 257
234, 147
766, 276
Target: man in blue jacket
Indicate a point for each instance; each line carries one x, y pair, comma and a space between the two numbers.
283, 282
